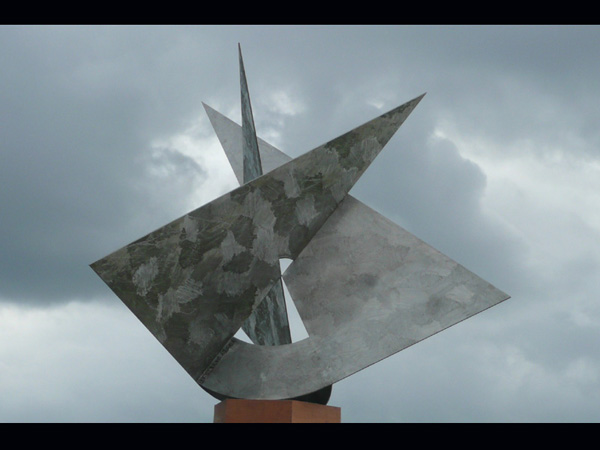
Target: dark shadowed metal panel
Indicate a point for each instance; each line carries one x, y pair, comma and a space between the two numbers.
195, 281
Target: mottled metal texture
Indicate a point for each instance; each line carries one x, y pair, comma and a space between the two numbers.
252, 165
365, 289
268, 324
229, 134
193, 282
231, 139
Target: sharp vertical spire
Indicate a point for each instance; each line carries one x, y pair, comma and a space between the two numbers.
252, 164
268, 324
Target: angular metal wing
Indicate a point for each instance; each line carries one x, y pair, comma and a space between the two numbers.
365, 289
194, 282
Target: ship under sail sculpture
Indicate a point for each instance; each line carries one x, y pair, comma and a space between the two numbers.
364, 287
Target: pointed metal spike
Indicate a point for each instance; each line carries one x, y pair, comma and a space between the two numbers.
268, 324
252, 164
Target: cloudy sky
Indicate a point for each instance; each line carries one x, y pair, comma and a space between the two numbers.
103, 138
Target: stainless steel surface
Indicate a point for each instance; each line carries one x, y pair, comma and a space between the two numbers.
268, 323
229, 134
365, 289
195, 281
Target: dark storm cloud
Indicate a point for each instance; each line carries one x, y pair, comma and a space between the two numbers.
79, 109
81, 106
534, 81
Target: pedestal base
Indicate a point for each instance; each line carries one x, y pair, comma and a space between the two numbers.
275, 411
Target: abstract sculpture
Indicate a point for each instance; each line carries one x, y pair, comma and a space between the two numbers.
364, 287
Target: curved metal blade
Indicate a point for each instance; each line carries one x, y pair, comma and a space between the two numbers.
365, 289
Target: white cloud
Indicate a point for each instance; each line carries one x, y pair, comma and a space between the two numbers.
283, 102
90, 362
548, 196
199, 143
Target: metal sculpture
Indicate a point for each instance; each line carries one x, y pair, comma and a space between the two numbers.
364, 287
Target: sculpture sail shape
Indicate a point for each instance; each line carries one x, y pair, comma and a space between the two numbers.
195, 281
364, 287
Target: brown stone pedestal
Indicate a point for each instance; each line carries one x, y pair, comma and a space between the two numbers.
275, 411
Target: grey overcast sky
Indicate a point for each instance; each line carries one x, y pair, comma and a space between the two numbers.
104, 138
